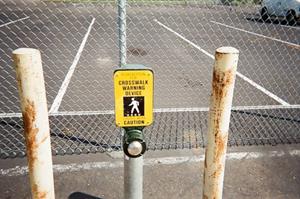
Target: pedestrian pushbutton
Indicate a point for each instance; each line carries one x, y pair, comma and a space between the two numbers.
133, 87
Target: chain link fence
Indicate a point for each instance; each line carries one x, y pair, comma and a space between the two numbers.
78, 40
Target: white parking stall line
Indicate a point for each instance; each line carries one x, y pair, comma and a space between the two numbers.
11, 22
176, 110
256, 34
57, 101
235, 108
10, 115
293, 27
159, 110
185, 39
74, 167
259, 87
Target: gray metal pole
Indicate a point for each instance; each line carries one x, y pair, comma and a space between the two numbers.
133, 178
122, 31
133, 167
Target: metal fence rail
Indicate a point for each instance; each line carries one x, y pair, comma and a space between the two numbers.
79, 45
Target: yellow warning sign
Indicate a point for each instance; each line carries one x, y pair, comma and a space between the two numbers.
133, 97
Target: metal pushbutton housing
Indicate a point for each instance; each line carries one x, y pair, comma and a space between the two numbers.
134, 144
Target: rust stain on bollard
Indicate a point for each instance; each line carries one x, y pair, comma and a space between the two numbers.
38, 194
217, 172
216, 175
205, 160
44, 139
18, 77
221, 144
221, 80
29, 116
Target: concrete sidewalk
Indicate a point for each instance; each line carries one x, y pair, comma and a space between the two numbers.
251, 172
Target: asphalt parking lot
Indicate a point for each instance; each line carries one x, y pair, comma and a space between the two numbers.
79, 46
182, 71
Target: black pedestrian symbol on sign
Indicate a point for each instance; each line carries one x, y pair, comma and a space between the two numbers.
133, 106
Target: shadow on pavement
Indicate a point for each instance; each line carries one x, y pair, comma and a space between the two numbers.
79, 195
271, 21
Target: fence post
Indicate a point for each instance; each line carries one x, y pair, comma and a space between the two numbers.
133, 167
224, 71
122, 32
32, 95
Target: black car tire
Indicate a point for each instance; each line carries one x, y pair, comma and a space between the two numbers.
291, 18
264, 14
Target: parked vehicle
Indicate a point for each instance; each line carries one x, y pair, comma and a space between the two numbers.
288, 9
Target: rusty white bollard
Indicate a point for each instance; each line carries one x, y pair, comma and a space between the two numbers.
226, 60
32, 94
